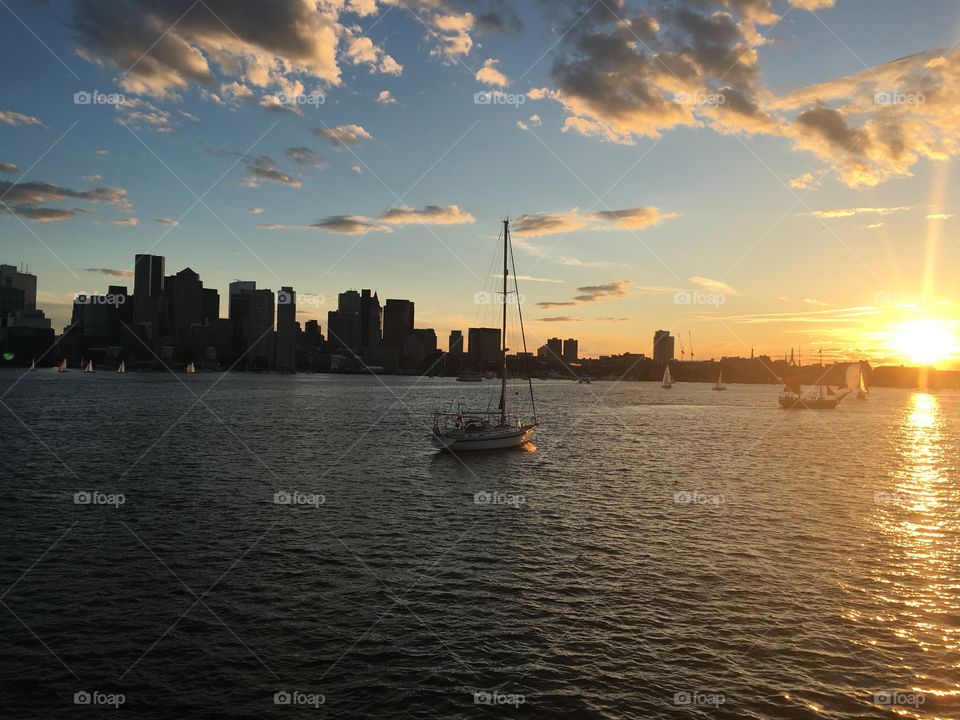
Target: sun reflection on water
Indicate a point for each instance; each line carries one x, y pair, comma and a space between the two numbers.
917, 519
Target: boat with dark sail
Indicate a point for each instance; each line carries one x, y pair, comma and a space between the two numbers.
485, 430
792, 398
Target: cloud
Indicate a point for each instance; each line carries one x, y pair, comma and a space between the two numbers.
636, 218
349, 225
167, 221
128, 221
431, 215
489, 75
25, 198
357, 169
560, 319
812, 4
591, 294
259, 168
851, 212
939, 216
9, 117
807, 181
92, 178
111, 272
343, 135
162, 48
874, 226
717, 286
385, 98
305, 156
256, 210
6, 167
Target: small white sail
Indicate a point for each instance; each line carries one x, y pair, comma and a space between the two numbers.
121, 368
667, 380
191, 369
89, 367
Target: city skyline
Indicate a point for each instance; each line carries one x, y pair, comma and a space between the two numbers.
361, 156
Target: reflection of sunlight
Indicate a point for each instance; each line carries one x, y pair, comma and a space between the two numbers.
918, 569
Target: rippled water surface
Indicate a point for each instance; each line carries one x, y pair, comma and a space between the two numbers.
681, 553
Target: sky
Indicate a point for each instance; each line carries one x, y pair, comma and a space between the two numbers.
749, 174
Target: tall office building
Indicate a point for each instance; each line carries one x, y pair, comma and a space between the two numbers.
555, 348
570, 349
397, 322
258, 332
483, 345
663, 346
10, 277
286, 329
211, 306
455, 342
238, 311
148, 292
184, 296
344, 325
371, 321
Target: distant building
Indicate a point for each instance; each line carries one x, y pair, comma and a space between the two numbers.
455, 342
344, 325
211, 306
570, 350
663, 346
483, 345
184, 295
397, 322
10, 277
259, 330
148, 282
286, 348
371, 321
23, 318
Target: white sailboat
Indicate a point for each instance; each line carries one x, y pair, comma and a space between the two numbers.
62, 366
33, 365
719, 384
122, 367
667, 380
191, 368
463, 430
89, 367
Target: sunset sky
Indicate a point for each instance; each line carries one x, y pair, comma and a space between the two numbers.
755, 173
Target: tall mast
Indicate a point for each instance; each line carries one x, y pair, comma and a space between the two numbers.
503, 329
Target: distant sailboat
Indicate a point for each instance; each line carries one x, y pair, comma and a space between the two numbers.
62, 366
121, 368
792, 399
191, 368
719, 384
89, 367
667, 380
33, 365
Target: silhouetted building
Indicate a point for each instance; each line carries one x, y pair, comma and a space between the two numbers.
211, 306
259, 329
344, 325
12, 278
455, 342
663, 346
483, 345
184, 303
148, 293
397, 322
286, 329
570, 350
371, 321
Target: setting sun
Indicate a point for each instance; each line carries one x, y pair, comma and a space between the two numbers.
924, 342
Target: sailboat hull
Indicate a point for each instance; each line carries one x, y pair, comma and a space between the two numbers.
793, 402
493, 439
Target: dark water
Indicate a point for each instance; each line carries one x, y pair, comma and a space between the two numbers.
680, 553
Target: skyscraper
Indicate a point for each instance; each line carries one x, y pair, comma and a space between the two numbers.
286, 329
663, 346
344, 325
238, 309
570, 350
397, 322
455, 342
555, 348
371, 321
258, 333
148, 292
184, 302
483, 345
12, 278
